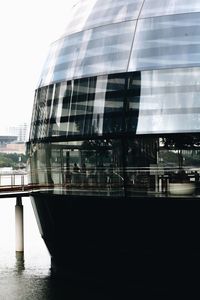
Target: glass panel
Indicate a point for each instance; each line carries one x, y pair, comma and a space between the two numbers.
141, 159
61, 60
40, 112
82, 107
98, 51
170, 41
57, 108
133, 101
114, 104
34, 118
169, 101
96, 106
47, 74
163, 166
105, 49
90, 14
148, 102
91, 167
153, 8
156, 166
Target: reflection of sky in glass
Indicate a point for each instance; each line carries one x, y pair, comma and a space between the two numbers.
97, 51
166, 7
92, 13
99, 39
169, 101
97, 122
166, 42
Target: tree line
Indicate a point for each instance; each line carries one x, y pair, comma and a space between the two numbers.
13, 160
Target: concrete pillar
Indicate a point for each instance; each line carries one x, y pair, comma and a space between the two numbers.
19, 263
19, 226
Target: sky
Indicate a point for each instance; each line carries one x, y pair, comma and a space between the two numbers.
27, 28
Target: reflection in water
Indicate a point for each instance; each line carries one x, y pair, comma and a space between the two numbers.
19, 264
28, 276
36, 282
22, 286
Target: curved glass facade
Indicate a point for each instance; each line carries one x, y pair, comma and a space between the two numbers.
89, 14
117, 109
168, 41
154, 8
100, 50
110, 37
146, 102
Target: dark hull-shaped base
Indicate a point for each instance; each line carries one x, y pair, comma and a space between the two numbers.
147, 241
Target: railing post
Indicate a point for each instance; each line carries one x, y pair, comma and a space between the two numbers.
22, 182
12, 180
19, 226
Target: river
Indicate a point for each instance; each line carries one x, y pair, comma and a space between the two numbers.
29, 277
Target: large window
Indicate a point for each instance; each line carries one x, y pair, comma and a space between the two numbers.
93, 13
169, 101
87, 167
153, 8
101, 50
169, 41
164, 165
88, 106
148, 102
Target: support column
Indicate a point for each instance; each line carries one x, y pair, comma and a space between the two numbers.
19, 226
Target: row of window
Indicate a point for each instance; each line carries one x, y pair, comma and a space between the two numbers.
142, 164
160, 42
147, 102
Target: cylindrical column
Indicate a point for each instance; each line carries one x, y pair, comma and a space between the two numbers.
19, 226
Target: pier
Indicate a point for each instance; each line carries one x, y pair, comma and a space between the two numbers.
14, 185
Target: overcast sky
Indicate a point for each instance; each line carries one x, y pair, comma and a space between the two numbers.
27, 28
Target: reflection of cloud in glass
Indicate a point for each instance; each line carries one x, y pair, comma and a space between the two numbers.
169, 101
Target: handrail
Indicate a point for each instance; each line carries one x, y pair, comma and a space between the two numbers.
13, 181
154, 178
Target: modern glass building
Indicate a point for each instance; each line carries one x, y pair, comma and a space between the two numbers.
116, 122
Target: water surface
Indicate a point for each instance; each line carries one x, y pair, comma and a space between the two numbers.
29, 277
22, 277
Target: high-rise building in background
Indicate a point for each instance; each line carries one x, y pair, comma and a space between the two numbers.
15, 138
115, 141
21, 131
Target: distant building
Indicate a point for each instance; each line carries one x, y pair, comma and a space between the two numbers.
20, 131
9, 144
13, 139
19, 148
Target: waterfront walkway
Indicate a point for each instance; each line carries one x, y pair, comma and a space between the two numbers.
14, 184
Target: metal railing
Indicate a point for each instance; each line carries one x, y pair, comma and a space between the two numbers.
156, 179
13, 180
